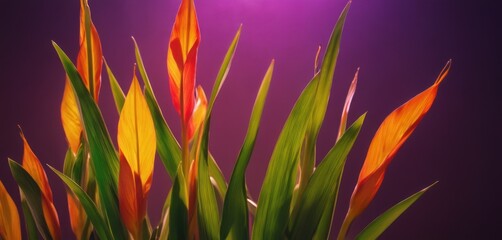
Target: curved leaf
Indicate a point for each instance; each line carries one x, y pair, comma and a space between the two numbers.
33, 196
382, 222
234, 223
100, 225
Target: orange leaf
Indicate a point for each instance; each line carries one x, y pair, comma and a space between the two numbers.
132, 200
182, 58
136, 140
32, 165
388, 139
83, 60
77, 215
10, 227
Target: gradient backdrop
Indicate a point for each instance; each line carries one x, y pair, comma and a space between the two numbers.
400, 46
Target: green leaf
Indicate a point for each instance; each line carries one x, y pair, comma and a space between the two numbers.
33, 196
382, 222
100, 225
178, 211
234, 223
322, 188
275, 197
163, 228
103, 155
308, 156
207, 207
225, 67
118, 94
31, 227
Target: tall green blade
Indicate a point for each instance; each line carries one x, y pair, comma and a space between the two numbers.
29, 222
234, 223
275, 197
178, 211
322, 188
207, 208
382, 222
33, 196
100, 225
308, 156
103, 155
117, 92
225, 67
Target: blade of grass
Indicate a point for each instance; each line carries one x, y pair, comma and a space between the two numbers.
382, 222
207, 207
103, 154
117, 92
225, 67
235, 217
322, 188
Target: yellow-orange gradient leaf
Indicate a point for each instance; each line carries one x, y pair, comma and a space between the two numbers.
199, 112
182, 58
32, 165
10, 227
86, 64
136, 140
388, 139
77, 215
70, 116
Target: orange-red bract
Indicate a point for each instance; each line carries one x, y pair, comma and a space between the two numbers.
32, 165
388, 139
137, 142
10, 227
199, 112
182, 59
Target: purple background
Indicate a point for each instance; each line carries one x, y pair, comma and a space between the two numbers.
400, 46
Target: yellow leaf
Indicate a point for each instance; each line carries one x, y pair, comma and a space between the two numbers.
70, 118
